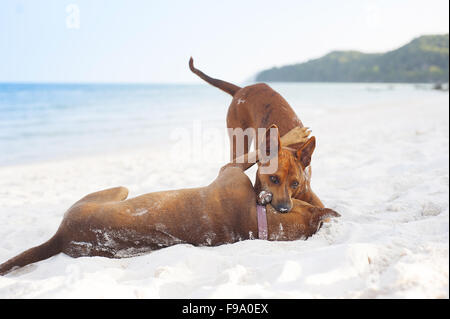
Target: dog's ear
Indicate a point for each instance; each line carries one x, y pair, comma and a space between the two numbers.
305, 152
319, 216
270, 144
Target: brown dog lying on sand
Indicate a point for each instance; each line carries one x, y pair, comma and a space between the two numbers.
107, 224
259, 106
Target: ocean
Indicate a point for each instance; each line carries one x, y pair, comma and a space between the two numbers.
55, 121
381, 161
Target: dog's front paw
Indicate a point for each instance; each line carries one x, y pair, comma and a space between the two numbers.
264, 198
295, 136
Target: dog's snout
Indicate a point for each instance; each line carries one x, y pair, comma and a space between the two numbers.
284, 208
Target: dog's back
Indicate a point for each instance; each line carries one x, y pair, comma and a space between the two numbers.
259, 106
254, 106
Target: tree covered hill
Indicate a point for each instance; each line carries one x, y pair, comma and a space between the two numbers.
424, 59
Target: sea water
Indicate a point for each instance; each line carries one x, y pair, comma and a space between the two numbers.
55, 121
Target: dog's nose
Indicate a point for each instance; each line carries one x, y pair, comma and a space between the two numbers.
284, 208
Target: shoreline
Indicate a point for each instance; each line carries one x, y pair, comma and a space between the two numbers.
383, 168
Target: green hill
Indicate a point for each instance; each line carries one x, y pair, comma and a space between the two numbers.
424, 59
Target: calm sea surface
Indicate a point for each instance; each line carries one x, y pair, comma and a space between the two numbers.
51, 121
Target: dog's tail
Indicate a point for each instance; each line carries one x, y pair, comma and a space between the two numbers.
224, 86
32, 255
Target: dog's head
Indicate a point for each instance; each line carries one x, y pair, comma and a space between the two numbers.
282, 171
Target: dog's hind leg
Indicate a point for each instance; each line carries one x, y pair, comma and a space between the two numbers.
115, 194
55, 244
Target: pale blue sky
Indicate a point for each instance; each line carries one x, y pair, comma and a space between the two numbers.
151, 41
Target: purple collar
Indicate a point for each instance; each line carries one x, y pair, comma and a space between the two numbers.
262, 221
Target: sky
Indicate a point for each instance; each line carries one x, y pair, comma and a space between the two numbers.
143, 41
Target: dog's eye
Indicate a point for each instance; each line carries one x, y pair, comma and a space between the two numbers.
295, 184
274, 179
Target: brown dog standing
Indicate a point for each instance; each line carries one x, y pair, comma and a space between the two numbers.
259, 106
107, 224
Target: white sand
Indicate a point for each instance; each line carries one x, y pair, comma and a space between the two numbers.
384, 168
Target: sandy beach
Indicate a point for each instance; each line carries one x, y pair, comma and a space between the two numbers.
384, 168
